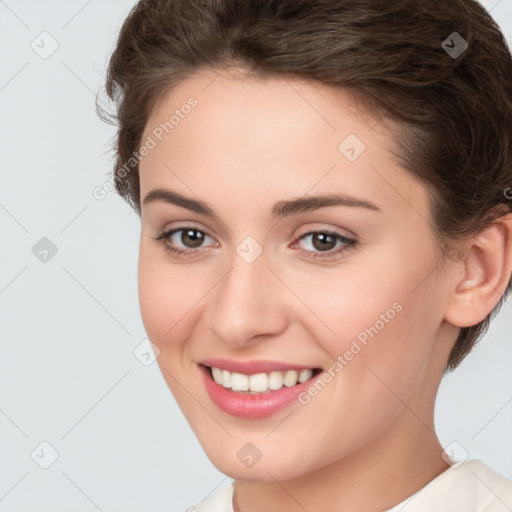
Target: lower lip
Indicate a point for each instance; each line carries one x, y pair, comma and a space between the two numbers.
253, 406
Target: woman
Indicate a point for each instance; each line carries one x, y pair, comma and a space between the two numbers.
326, 230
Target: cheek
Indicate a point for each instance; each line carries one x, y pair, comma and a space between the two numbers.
384, 317
166, 296
153, 299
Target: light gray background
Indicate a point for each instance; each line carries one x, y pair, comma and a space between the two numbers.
68, 374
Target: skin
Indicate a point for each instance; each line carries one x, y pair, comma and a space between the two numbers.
367, 440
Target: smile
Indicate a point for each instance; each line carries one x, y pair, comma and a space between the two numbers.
260, 392
261, 382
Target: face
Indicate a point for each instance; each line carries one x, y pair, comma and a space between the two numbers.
247, 273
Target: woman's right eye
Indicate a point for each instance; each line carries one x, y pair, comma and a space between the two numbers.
191, 239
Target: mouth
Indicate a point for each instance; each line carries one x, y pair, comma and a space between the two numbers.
256, 389
262, 382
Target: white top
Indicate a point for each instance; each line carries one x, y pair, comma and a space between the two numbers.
470, 486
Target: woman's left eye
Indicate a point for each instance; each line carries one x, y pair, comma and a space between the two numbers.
325, 242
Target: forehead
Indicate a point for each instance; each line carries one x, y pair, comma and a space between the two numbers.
236, 99
271, 134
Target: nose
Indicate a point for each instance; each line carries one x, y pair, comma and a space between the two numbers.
248, 302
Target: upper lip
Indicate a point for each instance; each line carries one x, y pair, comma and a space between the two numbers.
253, 366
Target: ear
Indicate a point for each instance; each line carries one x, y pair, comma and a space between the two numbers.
484, 274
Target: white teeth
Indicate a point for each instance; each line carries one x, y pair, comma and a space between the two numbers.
290, 378
275, 381
304, 375
260, 382
217, 375
239, 382
226, 379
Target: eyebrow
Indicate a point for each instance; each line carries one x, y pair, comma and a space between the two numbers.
279, 210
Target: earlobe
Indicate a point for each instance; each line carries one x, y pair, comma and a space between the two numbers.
486, 270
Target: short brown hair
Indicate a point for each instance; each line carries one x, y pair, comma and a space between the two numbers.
393, 56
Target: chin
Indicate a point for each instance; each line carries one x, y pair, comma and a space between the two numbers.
272, 466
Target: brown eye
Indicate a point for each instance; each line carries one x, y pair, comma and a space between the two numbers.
192, 238
185, 241
323, 241
325, 244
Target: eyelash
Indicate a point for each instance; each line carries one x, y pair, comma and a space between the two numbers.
351, 242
